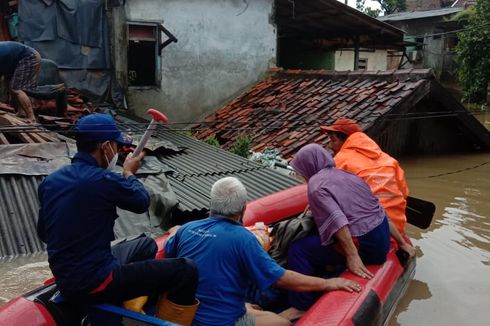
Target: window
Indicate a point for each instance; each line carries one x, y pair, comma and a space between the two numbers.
144, 49
362, 64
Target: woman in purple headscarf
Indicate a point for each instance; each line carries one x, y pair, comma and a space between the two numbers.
353, 228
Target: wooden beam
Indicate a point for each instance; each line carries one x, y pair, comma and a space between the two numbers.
3, 139
34, 135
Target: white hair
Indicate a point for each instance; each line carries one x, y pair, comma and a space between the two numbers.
228, 197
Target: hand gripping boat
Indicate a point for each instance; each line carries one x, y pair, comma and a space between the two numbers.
372, 306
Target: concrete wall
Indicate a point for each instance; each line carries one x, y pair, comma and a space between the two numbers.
223, 47
344, 60
434, 51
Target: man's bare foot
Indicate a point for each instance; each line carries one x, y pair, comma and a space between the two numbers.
292, 313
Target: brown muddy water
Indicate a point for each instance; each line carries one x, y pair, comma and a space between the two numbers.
452, 280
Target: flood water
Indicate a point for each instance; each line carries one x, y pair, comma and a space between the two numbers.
452, 280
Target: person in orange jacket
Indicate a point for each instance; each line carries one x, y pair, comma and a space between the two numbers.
357, 153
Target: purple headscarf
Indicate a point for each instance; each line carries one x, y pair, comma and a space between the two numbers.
310, 159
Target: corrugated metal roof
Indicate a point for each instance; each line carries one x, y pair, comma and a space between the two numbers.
19, 211
197, 167
201, 164
18, 214
420, 14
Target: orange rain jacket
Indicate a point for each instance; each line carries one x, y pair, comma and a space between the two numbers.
362, 156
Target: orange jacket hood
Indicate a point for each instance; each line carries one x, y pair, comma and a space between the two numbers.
361, 143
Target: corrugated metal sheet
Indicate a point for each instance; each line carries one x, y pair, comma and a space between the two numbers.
197, 168
419, 14
200, 165
18, 217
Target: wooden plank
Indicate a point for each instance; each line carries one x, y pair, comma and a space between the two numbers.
7, 119
3, 139
33, 134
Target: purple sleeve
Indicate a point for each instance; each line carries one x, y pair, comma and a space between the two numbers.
329, 218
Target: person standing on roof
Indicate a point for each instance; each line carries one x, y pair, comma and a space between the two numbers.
229, 257
20, 64
352, 225
76, 218
357, 153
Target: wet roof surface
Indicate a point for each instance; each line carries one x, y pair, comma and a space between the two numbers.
286, 110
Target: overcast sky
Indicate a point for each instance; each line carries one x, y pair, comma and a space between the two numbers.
369, 3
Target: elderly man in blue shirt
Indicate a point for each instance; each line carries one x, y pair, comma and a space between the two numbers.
229, 257
76, 218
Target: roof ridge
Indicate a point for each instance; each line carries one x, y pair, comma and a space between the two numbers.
394, 74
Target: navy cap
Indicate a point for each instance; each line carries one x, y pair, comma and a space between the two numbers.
98, 127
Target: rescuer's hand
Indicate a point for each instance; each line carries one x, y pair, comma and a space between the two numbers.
408, 249
132, 164
344, 284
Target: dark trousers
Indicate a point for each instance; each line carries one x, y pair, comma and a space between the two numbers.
307, 256
138, 274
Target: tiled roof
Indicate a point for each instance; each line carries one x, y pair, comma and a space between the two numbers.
285, 110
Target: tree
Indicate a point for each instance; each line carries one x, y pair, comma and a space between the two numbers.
391, 6
473, 51
361, 6
387, 7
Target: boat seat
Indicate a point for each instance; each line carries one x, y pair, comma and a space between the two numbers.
109, 314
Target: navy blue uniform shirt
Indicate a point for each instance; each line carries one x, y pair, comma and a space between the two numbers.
76, 219
10, 55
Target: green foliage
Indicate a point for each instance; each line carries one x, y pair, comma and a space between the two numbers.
187, 133
361, 6
213, 141
462, 15
387, 7
474, 54
392, 6
242, 146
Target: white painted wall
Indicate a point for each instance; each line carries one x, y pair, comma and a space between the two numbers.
223, 47
344, 60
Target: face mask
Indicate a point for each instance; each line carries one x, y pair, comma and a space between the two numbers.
111, 165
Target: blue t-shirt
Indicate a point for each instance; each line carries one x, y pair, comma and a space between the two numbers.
76, 219
10, 55
229, 258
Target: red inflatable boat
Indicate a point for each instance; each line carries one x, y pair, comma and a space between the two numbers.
372, 306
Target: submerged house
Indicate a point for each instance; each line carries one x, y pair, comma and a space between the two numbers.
404, 111
207, 52
432, 38
186, 58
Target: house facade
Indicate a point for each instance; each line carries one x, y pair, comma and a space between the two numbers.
218, 49
431, 38
189, 57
